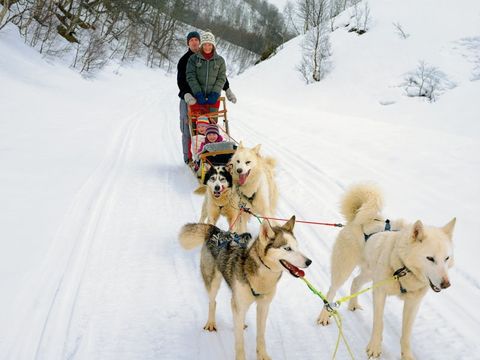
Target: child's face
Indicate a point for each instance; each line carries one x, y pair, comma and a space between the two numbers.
212, 137
201, 129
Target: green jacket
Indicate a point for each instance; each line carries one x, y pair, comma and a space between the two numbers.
206, 76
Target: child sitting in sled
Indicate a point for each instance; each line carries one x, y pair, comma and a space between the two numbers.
197, 140
212, 135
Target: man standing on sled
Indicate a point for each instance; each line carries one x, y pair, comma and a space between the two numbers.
186, 94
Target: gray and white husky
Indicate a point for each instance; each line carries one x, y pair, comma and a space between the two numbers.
251, 270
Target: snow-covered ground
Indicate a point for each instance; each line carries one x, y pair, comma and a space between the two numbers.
93, 192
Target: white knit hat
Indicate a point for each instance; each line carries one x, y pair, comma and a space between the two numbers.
207, 38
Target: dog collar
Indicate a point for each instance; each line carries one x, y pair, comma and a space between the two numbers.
253, 292
263, 263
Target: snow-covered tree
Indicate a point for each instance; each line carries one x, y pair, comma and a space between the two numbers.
316, 51
426, 81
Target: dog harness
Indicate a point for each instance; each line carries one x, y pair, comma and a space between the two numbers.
232, 237
387, 228
401, 273
249, 199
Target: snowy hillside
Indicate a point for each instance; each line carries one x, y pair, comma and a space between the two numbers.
93, 193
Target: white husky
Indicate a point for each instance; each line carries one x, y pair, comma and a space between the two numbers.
253, 181
424, 253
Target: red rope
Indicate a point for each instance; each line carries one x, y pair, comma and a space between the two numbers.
239, 213
299, 221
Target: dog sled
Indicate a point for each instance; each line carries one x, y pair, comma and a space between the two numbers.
213, 154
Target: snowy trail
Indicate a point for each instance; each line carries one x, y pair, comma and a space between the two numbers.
128, 291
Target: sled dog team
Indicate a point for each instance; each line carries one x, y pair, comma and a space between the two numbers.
252, 267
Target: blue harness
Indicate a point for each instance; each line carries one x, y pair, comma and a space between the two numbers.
387, 228
232, 237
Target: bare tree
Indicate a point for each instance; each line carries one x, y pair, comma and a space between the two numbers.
400, 30
316, 51
336, 7
312, 13
366, 16
426, 81
5, 7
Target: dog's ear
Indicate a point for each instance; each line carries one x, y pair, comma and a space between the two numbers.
288, 226
202, 189
240, 146
417, 231
229, 167
228, 176
207, 175
266, 231
256, 149
448, 229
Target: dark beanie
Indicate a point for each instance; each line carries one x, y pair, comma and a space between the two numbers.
212, 129
193, 34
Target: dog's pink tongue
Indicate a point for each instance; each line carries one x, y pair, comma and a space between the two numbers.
242, 178
297, 272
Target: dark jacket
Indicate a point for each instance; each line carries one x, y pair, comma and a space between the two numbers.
182, 75
206, 76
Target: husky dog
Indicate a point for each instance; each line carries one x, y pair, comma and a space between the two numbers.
421, 254
219, 198
252, 272
253, 181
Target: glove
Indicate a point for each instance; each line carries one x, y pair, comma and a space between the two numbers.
200, 98
189, 99
231, 96
212, 98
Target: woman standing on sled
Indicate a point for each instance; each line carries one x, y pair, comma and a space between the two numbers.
206, 73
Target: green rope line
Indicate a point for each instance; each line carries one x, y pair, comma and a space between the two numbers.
338, 321
335, 315
256, 216
373, 286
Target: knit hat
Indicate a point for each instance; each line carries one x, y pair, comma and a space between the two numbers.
212, 129
203, 120
193, 34
207, 38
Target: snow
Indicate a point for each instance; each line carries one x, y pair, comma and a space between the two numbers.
280, 4
93, 193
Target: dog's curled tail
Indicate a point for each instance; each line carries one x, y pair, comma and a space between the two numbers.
193, 235
271, 162
362, 202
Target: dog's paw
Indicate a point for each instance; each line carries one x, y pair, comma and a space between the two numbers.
374, 349
239, 355
354, 306
323, 318
407, 355
210, 326
262, 355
